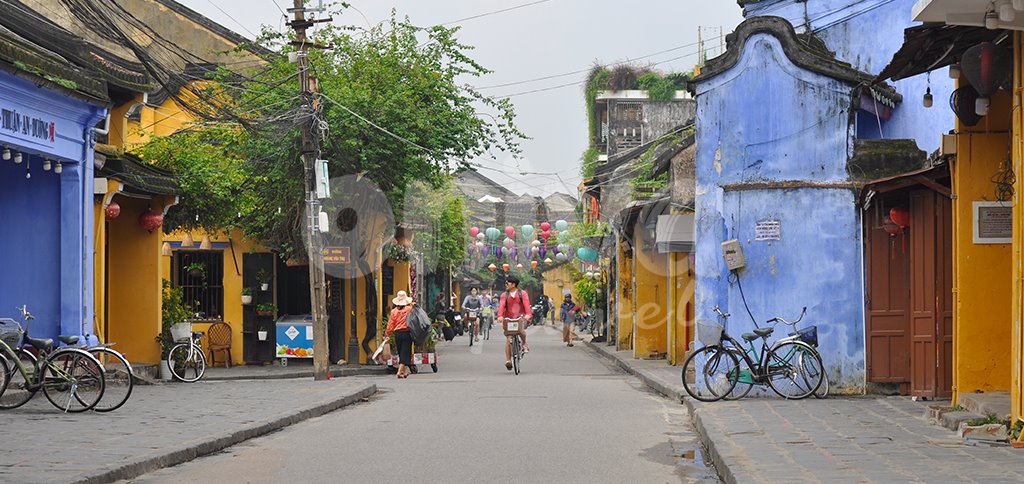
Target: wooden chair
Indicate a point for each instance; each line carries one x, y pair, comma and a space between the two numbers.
219, 339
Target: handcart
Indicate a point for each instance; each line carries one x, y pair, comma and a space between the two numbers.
425, 358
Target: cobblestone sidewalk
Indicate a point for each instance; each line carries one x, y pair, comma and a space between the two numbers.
160, 426
838, 439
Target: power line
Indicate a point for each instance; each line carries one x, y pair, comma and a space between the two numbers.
233, 18
495, 12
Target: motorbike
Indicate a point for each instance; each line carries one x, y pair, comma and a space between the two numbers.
538, 314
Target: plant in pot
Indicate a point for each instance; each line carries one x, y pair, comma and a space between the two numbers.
173, 311
265, 309
262, 331
246, 295
196, 270
263, 277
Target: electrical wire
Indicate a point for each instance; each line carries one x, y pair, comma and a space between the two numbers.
495, 12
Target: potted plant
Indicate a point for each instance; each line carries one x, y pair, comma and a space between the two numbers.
265, 309
173, 311
263, 277
246, 295
261, 332
196, 269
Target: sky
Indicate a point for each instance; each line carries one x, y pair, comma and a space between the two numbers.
523, 40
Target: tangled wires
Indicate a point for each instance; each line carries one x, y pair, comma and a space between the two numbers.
1004, 180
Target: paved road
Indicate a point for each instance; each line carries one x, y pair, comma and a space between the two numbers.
569, 417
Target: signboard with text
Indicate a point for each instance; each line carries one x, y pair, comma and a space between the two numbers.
993, 223
337, 255
27, 125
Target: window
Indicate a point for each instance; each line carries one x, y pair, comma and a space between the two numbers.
629, 112
200, 275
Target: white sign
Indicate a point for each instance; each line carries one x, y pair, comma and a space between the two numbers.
768, 230
291, 332
993, 223
309, 332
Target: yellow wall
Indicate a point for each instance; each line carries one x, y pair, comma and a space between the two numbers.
1017, 331
652, 297
160, 120
982, 280
624, 295
682, 292
556, 282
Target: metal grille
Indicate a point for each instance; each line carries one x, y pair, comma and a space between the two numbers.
629, 111
200, 275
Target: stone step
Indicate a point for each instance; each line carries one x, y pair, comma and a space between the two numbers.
952, 420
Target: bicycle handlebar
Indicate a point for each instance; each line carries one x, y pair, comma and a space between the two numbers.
720, 313
778, 319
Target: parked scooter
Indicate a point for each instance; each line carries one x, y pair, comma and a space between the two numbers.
538, 314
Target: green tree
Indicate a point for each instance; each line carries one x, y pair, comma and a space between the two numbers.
440, 217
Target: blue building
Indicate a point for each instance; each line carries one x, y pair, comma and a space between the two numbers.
780, 117
48, 109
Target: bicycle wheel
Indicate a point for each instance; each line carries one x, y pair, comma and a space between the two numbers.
20, 386
73, 380
185, 368
794, 370
822, 390
715, 371
119, 378
515, 353
472, 333
745, 381
5, 374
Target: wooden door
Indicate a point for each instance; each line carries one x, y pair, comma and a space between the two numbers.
888, 300
944, 298
923, 317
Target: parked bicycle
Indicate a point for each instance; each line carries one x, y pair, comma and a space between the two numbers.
512, 327
71, 379
187, 361
727, 369
587, 323
120, 378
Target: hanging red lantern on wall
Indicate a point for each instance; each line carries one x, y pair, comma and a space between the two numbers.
987, 67
893, 229
900, 216
112, 211
151, 220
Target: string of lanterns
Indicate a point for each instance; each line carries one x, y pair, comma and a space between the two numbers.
531, 246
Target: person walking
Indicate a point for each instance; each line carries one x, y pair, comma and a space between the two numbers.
567, 314
398, 326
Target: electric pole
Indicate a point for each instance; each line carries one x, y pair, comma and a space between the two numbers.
314, 244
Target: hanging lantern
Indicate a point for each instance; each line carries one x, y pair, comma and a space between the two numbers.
481, 236
492, 267
519, 267
535, 243
112, 211
186, 241
527, 231
987, 67
509, 242
561, 225
498, 252
587, 254
589, 274
493, 233
534, 251
151, 220
474, 231
900, 216
548, 261
533, 264
542, 252
504, 267
544, 235
165, 249
514, 253
205, 244
563, 249
510, 231
561, 257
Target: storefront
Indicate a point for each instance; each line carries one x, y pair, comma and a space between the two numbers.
46, 190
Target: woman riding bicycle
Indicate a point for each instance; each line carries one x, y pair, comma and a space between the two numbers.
514, 304
471, 312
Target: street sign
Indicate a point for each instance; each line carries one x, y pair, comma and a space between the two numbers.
337, 255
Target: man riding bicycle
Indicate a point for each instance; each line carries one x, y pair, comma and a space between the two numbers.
471, 306
514, 304
487, 314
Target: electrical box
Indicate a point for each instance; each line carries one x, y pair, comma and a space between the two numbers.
323, 185
733, 255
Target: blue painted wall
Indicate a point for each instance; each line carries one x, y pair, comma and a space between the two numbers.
46, 254
866, 33
792, 125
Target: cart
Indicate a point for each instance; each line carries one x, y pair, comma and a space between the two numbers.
423, 358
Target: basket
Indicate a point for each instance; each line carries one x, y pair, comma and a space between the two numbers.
709, 333
10, 332
181, 331
808, 335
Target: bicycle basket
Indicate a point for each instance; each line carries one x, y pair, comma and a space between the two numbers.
181, 331
10, 332
709, 333
808, 335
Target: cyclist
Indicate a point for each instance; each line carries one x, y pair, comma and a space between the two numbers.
514, 304
471, 312
487, 313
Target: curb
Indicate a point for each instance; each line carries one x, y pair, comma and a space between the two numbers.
181, 453
722, 469
366, 370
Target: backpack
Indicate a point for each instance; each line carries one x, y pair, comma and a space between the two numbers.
419, 325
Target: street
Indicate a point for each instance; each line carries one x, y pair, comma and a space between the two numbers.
568, 417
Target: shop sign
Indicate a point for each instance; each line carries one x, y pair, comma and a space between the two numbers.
337, 255
27, 125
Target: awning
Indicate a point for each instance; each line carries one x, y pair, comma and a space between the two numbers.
675, 233
929, 47
935, 178
138, 177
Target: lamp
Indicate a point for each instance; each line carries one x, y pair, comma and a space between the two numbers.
46, 164
205, 244
186, 241
991, 20
954, 69
59, 168
166, 249
1006, 11
17, 157
7, 153
928, 99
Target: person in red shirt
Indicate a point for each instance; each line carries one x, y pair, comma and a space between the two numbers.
403, 339
514, 304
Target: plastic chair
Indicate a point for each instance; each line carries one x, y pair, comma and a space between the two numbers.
219, 339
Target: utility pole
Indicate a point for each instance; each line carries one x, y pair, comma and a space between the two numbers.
314, 243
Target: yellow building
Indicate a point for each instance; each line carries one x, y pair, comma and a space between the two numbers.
988, 176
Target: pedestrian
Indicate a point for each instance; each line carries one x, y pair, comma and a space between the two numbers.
398, 326
567, 314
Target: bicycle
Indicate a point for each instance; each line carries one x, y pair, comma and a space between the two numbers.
471, 324
120, 378
512, 328
791, 368
485, 325
809, 335
188, 363
71, 379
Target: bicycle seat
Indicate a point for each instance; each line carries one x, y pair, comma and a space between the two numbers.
748, 337
764, 332
41, 344
68, 340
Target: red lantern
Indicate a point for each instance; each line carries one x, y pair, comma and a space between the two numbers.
151, 220
900, 216
510, 231
504, 267
492, 267
473, 231
112, 211
533, 264
544, 226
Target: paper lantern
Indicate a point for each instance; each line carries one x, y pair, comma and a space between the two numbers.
987, 67
589, 275
535, 243
514, 253
504, 267
534, 251
509, 242
165, 249
474, 231
151, 220
900, 216
561, 225
548, 261
510, 231
587, 254
561, 257
527, 231
112, 211
542, 252
545, 234
187, 241
481, 236
533, 264
492, 267
498, 252
519, 267
544, 226
205, 244
493, 233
